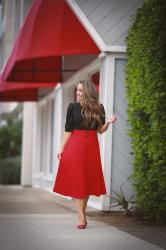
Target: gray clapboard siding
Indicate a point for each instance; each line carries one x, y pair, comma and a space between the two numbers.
121, 151
81, 2
90, 6
120, 28
103, 11
110, 18
114, 17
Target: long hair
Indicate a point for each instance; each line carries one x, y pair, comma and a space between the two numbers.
91, 109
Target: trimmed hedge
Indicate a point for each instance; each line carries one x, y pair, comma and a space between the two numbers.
146, 95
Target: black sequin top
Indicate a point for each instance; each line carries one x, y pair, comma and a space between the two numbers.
74, 119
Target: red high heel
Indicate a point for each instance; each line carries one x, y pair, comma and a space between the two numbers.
82, 226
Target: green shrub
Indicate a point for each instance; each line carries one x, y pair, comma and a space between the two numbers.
146, 95
10, 169
10, 147
11, 139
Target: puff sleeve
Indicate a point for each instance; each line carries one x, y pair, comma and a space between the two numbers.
103, 116
69, 118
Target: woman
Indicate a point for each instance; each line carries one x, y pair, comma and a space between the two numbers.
80, 171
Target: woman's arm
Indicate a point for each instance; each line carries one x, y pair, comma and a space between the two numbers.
68, 129
105, 126
66, 137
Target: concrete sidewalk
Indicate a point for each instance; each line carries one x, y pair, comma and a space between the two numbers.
33, 219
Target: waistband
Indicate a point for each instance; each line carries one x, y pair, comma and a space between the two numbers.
85, 132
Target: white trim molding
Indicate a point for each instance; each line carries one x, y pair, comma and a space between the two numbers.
116, 48
106, 96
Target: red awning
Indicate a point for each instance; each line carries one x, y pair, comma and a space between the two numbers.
51, 30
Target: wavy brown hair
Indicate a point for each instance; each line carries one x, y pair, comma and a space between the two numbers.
91, 108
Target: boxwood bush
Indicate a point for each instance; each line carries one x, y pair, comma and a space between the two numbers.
146, 95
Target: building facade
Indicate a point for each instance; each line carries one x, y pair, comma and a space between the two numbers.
107, 22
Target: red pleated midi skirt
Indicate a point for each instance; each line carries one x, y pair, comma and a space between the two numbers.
80, 170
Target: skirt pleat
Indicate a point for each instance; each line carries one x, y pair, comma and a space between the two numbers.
80, 171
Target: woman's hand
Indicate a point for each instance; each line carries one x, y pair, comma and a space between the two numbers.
112, 119
59, 154
66, 137
105, 126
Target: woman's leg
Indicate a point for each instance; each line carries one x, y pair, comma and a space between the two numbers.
81, 207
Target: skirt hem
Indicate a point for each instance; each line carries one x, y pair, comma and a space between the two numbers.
80, 197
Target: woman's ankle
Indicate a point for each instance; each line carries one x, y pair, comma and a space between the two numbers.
82, 216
